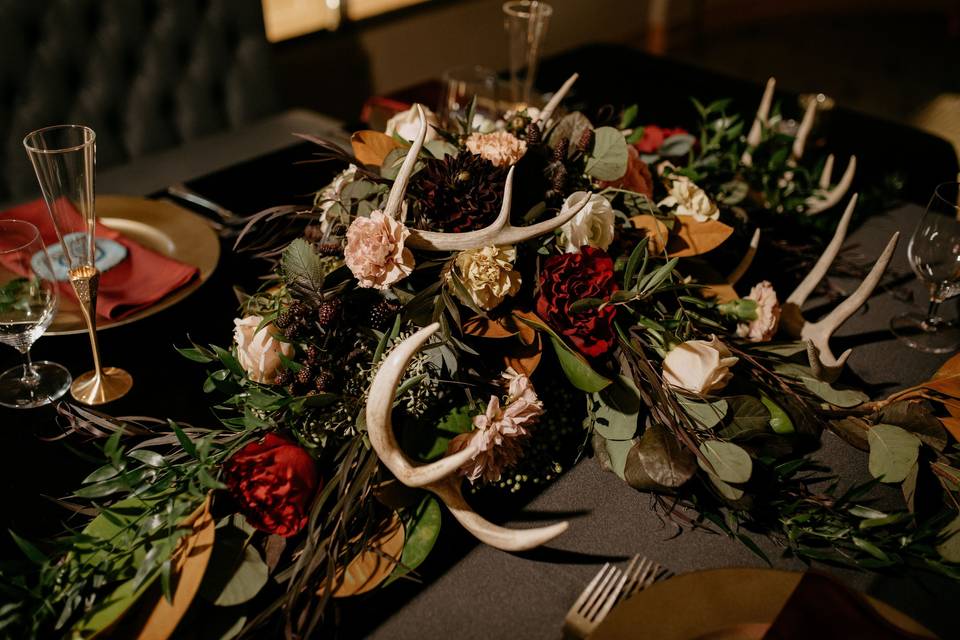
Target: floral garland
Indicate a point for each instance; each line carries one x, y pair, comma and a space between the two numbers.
710, 400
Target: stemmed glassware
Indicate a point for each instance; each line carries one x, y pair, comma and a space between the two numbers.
526, 24
64, 159
28, 303
934, 255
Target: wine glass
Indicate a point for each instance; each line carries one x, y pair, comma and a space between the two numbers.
64, 158
934, 255
28, 303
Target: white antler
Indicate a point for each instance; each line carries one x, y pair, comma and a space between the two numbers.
825, 197
555, 101
399, 188
759, 122
500, 233
746, 261
440, 477
824, 364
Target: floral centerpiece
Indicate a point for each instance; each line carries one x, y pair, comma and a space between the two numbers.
408, 344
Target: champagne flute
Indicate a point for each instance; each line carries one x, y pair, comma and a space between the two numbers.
526, 24
28, 303
934, 255
64, 159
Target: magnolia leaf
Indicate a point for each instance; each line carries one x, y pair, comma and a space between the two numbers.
659, 461
191, 562
574, 365
844, 398
481, 327
656, 232
729, 462
692, 237
916, 416
952, 424
420, 534
892, 452
236, 571
112, 607
608, 159
706, 414
949, 548
372, 147
374, 564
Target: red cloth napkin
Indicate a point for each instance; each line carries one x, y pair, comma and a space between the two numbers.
141, 279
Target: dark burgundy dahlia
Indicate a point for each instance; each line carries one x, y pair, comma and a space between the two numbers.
457, 194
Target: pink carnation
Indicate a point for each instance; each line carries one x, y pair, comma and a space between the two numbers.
375, 252
764, 326
499, 432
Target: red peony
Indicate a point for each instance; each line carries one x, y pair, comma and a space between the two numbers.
569, 277
653, 137
637, 178
274, 481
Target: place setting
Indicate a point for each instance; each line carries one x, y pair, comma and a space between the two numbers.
503, 312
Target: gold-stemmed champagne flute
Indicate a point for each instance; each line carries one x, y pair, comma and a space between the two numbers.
64, 159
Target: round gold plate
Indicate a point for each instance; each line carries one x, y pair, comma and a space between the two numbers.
159, 225
718, 604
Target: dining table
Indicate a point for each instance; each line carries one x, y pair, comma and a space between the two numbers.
466, 589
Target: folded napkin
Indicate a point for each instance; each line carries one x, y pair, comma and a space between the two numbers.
139, 280
822, 608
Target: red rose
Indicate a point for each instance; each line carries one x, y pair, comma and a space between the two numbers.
274, 481
637, 178
653, 137
573, 276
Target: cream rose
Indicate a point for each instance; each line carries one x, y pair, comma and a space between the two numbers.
500, 148
487, 274
592, 226
258, 351
375, 251
330, 195
406, 124
690, 200
764, 326
699, 366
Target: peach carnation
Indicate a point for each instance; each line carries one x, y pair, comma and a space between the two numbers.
764, 326
500, 147
375, 251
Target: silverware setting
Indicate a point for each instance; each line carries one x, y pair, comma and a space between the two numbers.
607, 589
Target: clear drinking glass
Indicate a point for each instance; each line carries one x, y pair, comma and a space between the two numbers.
28, 303
526, 24
64, 159
934, 255
461, 84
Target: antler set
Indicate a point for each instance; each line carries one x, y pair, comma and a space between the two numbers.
825, 195
499, 233
440, 477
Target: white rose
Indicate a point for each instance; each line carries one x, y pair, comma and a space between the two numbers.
764, 326
592, 226
406, 124
690, 200
699, 366
258, 351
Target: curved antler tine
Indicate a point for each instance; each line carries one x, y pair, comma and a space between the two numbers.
826, 173
763, 113
399, 188
816, 204
803, 132
806, 287
818, 363
437, 241
514, 235
556, 100
380, 428
747, 260
485, 531
819, 332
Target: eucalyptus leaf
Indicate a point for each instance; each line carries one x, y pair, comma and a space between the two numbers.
608, 159
441, 148
658, 461
747, 415
730, 462
617, 451
616, 410
679, 144
916, 417
706, 414
844, 398
236, 571
727, 490
893, 451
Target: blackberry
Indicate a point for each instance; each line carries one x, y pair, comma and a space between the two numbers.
328, 311
329, 249
284, 319
534, 135
560, 152
284, 377
324, 382
313, 354
586, 139
382, 314
305, 375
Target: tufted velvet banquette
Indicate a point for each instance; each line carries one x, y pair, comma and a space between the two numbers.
144, 74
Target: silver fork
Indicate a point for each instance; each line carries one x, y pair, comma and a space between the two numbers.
608, 587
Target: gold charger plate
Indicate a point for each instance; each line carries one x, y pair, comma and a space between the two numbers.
718, 604
159, 225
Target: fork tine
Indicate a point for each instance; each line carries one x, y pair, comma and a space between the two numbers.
644, 578
614, 596
634, 578
606, 589
588, 590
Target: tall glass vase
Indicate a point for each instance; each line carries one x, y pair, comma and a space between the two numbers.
64, 159
526, 24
